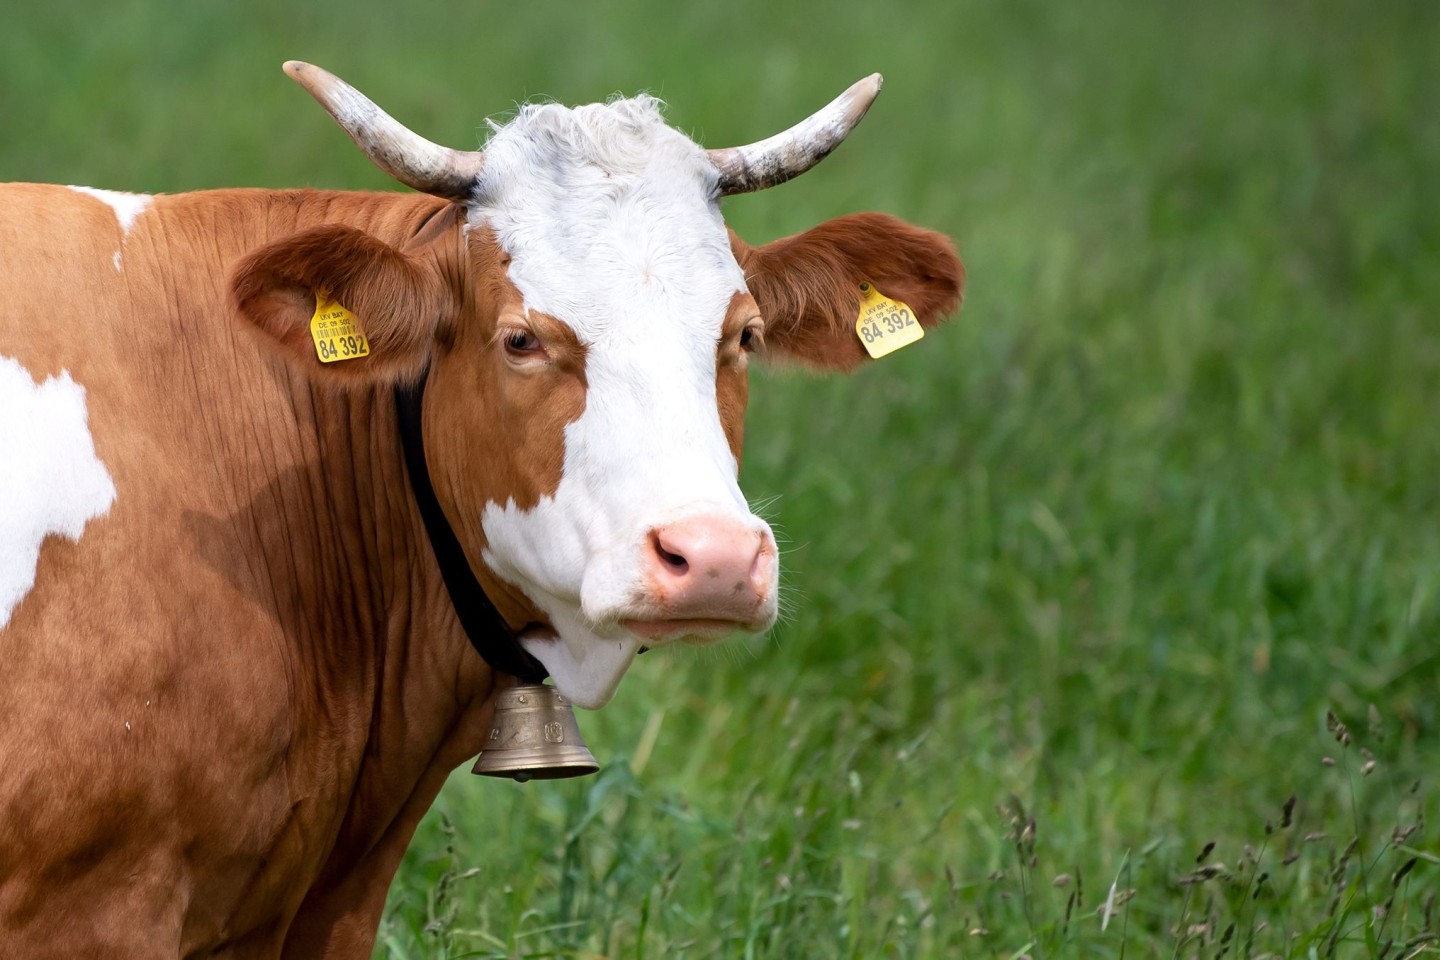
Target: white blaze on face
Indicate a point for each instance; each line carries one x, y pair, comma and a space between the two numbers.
127, 208
609, 218
50, 479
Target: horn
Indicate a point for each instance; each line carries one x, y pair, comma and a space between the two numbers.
534, 736
400, 152
789, 154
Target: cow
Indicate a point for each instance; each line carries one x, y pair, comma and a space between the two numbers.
232, 677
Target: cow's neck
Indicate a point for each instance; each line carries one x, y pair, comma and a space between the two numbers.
349, 569
385, 648
386, 693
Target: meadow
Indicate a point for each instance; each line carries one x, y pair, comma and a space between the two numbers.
1114, 605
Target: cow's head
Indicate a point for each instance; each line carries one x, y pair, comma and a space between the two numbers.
587, 320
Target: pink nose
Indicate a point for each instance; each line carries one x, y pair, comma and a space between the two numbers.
710, 568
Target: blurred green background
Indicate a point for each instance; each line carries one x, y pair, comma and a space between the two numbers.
1072, 584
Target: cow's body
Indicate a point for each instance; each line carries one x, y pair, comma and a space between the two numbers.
209, 703
231, 678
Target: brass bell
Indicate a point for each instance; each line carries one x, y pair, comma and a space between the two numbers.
534, 736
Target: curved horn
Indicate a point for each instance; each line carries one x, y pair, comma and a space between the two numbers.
791, 153
400, 152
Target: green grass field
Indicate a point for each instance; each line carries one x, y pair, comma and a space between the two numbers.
1073, 584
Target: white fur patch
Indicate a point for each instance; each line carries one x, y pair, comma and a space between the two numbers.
127, 207
612, 226
51, 482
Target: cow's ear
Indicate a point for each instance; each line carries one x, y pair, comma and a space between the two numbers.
808, 285
397, 300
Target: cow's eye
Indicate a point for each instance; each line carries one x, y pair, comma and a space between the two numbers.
751, 337
522, 343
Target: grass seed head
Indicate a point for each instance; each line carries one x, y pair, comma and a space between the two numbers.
1338, 729
1404, 869
1207, 872
1260, 884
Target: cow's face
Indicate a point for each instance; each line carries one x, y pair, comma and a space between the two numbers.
614, 332
587, 326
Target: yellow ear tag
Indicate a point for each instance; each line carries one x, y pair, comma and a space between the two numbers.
885, 325
336, 332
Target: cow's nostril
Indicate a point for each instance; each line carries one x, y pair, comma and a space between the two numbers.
674, 562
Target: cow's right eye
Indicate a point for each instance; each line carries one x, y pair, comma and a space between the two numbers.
752, 337
522, 343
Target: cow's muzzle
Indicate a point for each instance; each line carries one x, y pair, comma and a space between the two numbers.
704, 577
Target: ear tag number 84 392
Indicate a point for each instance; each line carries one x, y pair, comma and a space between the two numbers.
336, 332
884, 325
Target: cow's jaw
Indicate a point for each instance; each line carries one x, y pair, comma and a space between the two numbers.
626, 246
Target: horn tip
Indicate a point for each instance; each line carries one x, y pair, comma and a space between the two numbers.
318, 82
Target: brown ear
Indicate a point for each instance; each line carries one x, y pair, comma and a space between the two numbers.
808, 285
398, 300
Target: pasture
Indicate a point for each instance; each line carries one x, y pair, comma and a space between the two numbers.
1073, 584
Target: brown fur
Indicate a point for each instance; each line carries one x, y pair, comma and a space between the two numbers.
229, 703
732, 381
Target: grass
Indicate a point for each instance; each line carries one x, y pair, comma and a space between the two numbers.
1075, 583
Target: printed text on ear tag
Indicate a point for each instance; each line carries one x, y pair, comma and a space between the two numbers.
885, 325
336, 332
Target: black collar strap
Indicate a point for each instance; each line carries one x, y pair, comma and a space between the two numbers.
489, 634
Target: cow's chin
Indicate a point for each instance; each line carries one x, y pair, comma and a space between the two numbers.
587, 664
588, 677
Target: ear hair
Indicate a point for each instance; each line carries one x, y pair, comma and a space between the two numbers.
398, 300
808, 285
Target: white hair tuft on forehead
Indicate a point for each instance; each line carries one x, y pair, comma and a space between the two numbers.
624, 138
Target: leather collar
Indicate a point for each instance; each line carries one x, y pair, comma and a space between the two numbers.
489, 634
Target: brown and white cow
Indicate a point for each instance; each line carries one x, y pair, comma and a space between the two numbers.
231, 679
